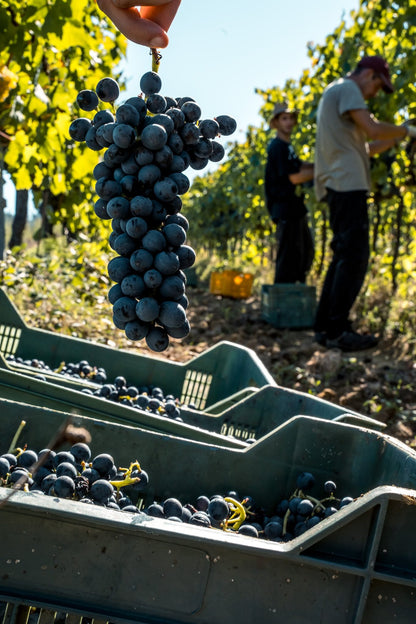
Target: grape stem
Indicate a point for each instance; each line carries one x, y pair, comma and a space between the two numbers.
16, 436
238, 514
156, 58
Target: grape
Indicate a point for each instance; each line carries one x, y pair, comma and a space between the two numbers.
101, 491
147, 144
107, 90
63, 487
133, 286
227, 124
102, 117
162, 120
191, 110
127, 114
118, 268
141, 206
147, 309
217, 153
136, 330
172, 507
107, 188
4, 467
136, 227
91, 140
87, 100
209, 128
248, 529
172, 314
218, 509
181, 181
165, 189
66, 469
150, 83
124, 135
124, 245
166, 262
153, 278
157, 339
148, 175
329, 487
203, 149
141, 260
101, 170
175, 235
189, 134
179, 332
124, 309
153, 241
154, 137
118, 207
156, 103
79, 128
103, 463
172, 287
177, 117
81, 452
27, 459
186, 256
305, 481
143, 155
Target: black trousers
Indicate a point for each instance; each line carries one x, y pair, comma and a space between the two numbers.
350, 245
295, 250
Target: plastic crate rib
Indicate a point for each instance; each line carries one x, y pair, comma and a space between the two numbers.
9, 339
196, 388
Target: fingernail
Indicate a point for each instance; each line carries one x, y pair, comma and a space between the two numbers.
157, 42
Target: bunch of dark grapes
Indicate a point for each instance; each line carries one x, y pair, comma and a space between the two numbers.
146, 398
149, 142
74, 475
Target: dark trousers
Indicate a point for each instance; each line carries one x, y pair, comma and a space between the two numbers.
295, 250
350, 245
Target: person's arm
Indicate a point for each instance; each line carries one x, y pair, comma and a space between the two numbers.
145, 23
305, 174
377, 130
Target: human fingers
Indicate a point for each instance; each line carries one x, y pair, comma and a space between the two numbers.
163, 14
134, 26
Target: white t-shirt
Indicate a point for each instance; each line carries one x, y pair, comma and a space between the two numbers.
341, 151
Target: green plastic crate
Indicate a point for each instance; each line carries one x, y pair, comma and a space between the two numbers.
239, 418
288, 305
219, 372
358, 566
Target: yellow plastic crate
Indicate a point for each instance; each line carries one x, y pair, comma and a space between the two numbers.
231, 283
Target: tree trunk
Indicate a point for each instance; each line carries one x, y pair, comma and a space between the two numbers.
20, 218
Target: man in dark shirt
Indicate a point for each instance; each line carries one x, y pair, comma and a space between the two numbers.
284, 171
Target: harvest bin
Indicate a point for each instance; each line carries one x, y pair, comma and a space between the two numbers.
251, 417
212, 376
356, 567
288, 305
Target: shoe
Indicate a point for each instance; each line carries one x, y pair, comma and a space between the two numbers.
321, 338
351, 341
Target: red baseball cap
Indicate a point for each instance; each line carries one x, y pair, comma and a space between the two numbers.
380, 66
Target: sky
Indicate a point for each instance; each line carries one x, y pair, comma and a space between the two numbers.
221, 51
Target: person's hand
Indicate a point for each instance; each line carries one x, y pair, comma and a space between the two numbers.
411, 131
145, 23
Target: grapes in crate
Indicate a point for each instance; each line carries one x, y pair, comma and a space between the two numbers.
148, 142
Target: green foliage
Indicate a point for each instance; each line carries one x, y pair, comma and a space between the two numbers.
49, 52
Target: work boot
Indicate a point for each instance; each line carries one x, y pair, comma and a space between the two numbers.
352, 341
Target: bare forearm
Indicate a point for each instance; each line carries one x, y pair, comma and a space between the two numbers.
305, 174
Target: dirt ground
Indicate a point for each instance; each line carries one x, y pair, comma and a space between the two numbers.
379, 382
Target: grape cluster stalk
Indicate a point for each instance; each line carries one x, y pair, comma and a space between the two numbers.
147, 142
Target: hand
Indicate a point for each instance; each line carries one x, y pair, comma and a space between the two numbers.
411, 131
145, 23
